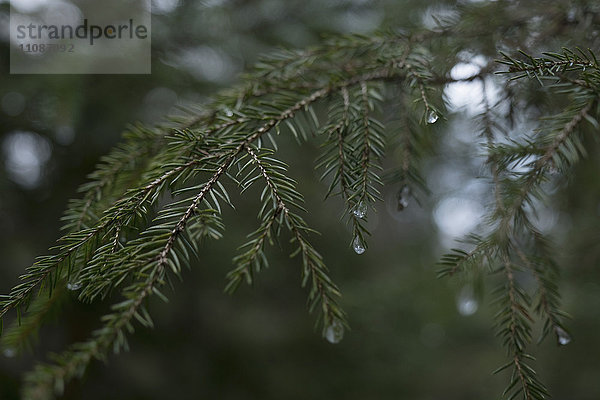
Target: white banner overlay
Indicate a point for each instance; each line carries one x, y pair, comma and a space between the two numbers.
80, 37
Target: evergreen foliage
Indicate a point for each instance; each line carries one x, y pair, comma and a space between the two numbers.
157, 198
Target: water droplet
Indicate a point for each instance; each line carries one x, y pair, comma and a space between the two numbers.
360, 211
358, 245
466, 302
334, 332
403, 196
571, 64
74, 285
562, 336
9, 352
432, 117
228, 112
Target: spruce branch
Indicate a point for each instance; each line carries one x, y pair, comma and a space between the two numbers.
48, 379
117, 170
337, 151
458, 260
562, 152
554, 147
148, 259
548, 302
554, 64
514, 328
154, 199
83, 242
282, 197
21, 335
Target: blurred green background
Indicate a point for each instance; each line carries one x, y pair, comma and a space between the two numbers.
412, 337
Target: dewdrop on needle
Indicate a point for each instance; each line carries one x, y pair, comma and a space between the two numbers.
361, 210
358, 245
334, 332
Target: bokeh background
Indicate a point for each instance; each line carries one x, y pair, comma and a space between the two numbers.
413, 336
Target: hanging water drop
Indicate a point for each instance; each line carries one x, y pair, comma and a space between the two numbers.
9, 352
403, 196
334, 332
358, 245
432, 117
228, 112
466, 302
562, 336
74, 286
360, 211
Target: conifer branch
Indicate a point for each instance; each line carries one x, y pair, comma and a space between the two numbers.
283, 195
543, 269
154, 199
556, 146
20, 336
119, 165
514, 328
149, 263
334, 158
46, 379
